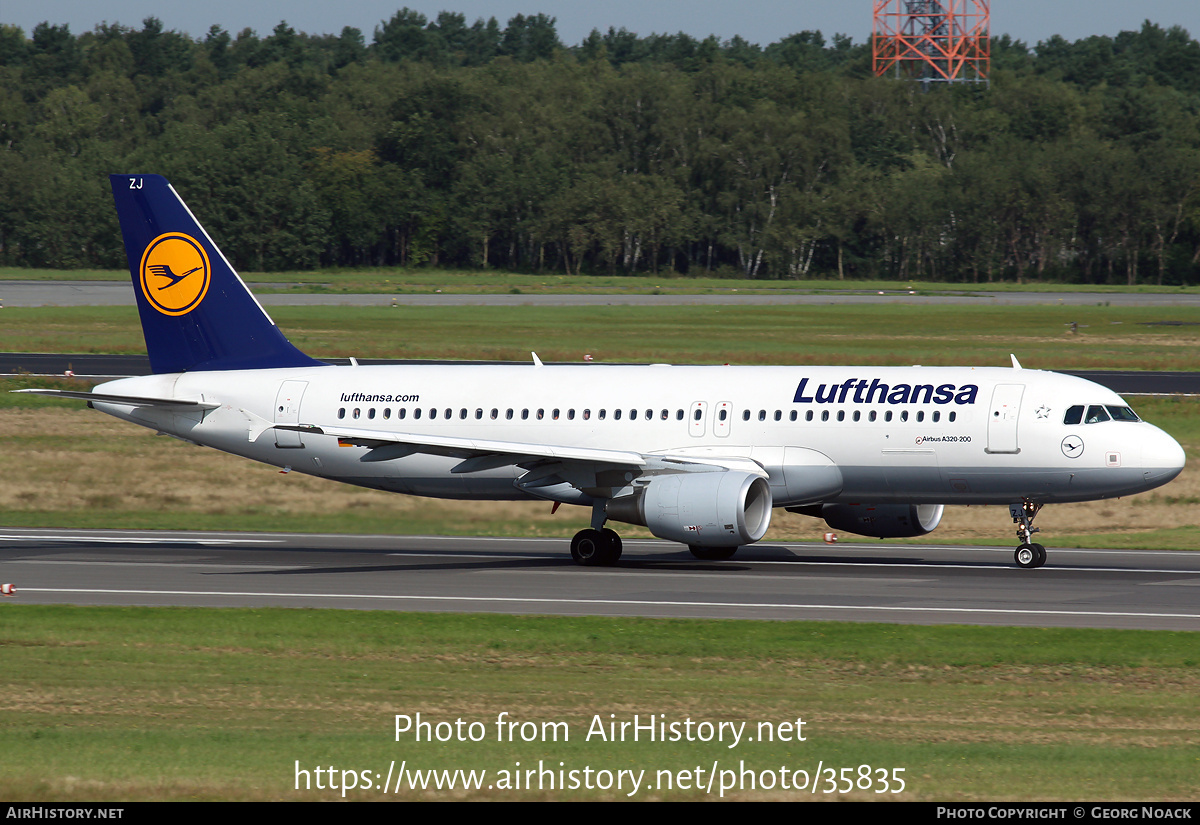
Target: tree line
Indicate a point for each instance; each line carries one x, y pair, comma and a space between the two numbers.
443, 143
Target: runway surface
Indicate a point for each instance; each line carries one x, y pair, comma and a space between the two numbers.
910, 584
120, 293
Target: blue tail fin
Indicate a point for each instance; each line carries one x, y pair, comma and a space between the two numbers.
196, 312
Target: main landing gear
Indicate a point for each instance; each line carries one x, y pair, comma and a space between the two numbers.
596, 548
1029, 554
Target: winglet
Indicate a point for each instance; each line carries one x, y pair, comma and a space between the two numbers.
1016, 363
537, 362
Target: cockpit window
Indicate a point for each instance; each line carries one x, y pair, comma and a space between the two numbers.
1097, 413
1122, 414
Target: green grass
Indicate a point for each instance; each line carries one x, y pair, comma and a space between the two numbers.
1109, 337
221, 704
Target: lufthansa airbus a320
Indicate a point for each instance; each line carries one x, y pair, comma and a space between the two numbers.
698, 454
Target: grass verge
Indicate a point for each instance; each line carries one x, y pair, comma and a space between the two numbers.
223, 704
424, 280
1108, 338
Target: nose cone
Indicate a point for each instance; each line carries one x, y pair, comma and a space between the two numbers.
1162, 457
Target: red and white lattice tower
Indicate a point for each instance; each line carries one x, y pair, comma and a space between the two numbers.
934, 41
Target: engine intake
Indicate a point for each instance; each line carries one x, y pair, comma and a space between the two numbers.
717, 509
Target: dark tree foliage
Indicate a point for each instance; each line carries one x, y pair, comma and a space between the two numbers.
443, 142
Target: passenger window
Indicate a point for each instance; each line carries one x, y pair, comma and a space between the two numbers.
937, 416
416, 413
953, 416
342, 412
616, 415
448, 414
762, 415
508, 414
723, 415
371, 413
602, 415
495, 413
679, 415
541, 414
664, 415
841, 415
792, 416
1074, 415
524, 415
824, 415
571, 414
920, 415
387, 413
402, 412
554, 415
778, 415
887, 416
478, 413
587, 415
808, 415
697, 414
857, 415
462, 413
904, 415
871, 415
649, 414
746, 415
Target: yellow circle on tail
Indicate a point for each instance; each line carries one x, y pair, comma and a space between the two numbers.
175, 273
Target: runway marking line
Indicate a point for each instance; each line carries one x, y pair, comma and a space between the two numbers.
615, 602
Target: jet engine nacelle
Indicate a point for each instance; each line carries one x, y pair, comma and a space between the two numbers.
883, 521
717, 509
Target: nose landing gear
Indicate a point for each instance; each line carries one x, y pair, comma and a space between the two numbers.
1030, 554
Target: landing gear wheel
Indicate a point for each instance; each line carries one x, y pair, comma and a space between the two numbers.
614, 541
596, 548
712, 553
1030, 556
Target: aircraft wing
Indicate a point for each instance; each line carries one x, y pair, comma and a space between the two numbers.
566, 462
129, 400
467, 447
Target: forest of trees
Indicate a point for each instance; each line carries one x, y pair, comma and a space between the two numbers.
443, 143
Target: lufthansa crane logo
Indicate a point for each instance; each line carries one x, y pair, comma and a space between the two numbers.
175, 273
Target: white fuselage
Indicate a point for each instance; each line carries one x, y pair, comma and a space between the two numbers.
834, 434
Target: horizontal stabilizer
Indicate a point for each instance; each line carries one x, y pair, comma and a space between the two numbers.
129, 400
